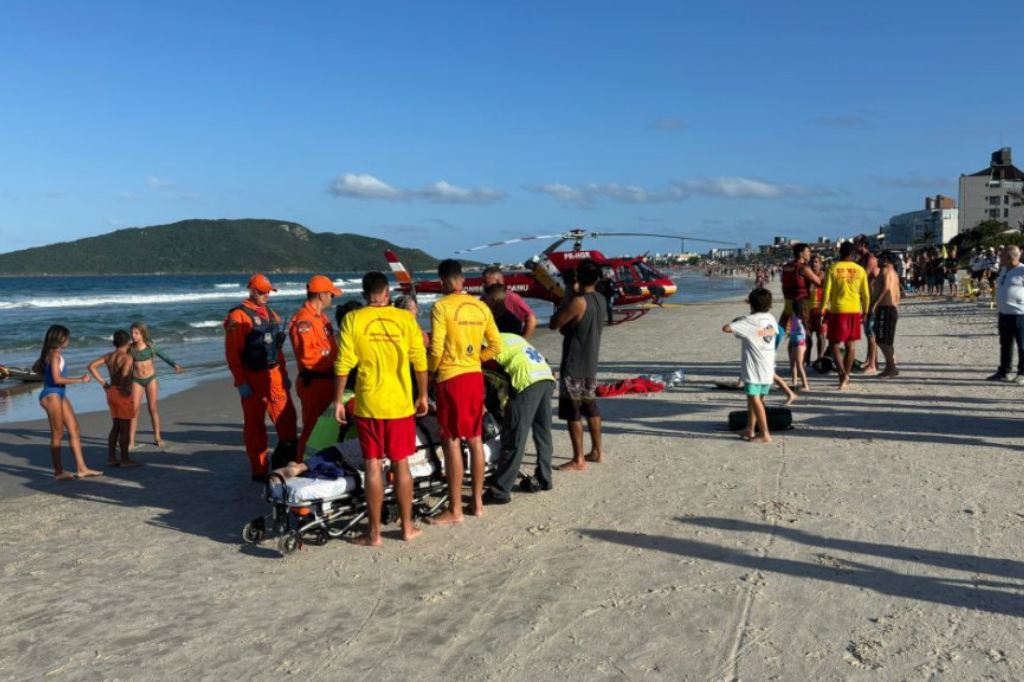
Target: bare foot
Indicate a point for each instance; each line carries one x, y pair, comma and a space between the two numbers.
160, 442
411, 533
476, 509
595, 457
65, 476
367, 541
129, 463
446, 518
790, 399
843, 385
746, 435
88, 473
763, 438
805, 388
573, 466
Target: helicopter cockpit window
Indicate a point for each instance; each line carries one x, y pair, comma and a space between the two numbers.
648, 273
626, 275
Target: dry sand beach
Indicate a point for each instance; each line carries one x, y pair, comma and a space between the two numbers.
878, 540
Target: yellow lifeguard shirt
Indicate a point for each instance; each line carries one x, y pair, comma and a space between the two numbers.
460, 325
381, 342
846, 289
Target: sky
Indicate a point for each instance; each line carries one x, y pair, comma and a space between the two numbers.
445, 125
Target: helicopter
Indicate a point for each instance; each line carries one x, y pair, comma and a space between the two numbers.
630, 282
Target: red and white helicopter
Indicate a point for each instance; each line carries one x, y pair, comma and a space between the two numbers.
635, 283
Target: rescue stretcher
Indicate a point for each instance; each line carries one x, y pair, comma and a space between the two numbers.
319, 509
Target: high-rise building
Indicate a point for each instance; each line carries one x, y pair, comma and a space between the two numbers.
993, 193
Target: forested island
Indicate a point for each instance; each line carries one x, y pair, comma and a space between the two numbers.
211, 246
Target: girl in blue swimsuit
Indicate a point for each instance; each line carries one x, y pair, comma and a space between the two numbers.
58, 408
144, 381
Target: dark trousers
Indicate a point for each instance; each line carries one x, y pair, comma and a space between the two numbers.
1011, 333
530, 408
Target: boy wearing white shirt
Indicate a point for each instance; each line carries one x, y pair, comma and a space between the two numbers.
758, 331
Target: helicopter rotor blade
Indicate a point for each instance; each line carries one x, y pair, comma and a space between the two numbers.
512, 241
653, 234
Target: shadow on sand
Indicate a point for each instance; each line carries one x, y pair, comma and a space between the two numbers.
992, 596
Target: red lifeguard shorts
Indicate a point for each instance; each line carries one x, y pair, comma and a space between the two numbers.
395, 438
460, 405
121, 406
843, 327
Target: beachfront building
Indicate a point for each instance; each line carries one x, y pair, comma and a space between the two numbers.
993, 193
934, 226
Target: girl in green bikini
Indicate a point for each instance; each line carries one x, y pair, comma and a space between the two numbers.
144, 381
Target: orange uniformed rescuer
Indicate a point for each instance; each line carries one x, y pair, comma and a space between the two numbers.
316, 349
460, 325
253, 342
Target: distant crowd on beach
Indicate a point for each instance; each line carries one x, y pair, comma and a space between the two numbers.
859, 295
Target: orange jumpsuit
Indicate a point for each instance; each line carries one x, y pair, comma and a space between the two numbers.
269, 394
315, 349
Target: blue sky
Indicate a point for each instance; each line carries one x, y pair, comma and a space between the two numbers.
451, 124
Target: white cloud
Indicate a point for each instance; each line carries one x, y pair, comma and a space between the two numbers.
442, 192
727, 187
353, 186
157, 183
363, 187
746, 188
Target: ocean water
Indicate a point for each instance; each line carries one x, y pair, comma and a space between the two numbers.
184, 314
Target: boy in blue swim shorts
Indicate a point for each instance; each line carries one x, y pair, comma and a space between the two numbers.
758, 332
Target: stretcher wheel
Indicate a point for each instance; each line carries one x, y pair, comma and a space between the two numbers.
289, 542
254, 531
321, 538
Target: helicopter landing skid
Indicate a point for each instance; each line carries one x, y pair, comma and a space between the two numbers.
620, 315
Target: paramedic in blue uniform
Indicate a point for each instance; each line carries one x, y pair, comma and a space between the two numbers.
529, 406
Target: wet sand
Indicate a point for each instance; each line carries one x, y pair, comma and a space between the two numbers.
878, 540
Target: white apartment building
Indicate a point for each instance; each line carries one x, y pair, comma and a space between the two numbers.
934, 226
992, 193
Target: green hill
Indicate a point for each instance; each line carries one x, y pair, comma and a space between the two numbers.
211, 246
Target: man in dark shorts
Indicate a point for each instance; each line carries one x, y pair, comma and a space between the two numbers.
869, 262
845, 300
580, 320
885, 307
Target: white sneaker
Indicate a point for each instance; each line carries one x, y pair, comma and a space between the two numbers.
1019, 380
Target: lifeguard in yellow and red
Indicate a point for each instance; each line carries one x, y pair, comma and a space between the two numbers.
316, 349
253, 345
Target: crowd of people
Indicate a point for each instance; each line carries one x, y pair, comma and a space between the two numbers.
402, 372
131, 376
398, 372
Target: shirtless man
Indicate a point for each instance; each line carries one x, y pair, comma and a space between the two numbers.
885, 305
869, 262
119, 365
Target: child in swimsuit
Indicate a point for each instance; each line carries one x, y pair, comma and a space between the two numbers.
144, 378
798, 343
119, 396
55, 402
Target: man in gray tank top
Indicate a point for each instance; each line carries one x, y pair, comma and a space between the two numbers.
580, 319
